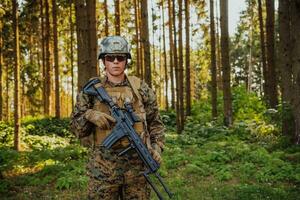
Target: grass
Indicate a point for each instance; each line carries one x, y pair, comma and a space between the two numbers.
229, 168
208, 161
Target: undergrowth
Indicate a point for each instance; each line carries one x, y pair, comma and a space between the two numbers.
250, 160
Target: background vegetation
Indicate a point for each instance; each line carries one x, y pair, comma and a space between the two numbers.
230, 101
249, 160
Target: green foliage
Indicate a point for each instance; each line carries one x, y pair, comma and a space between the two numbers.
37, 132
246, 105
6, 133
169, 119
47, 126
50, 156
249, 160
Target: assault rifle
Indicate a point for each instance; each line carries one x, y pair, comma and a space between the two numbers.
125, 119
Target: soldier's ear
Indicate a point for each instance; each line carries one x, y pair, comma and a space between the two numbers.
126, 64
103, 61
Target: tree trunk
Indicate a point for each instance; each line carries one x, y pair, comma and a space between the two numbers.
48, 81
71, 49
137, 38
1, 68
295, 35
165, 58
43, 54
160, 86
17, 121
178, 122
7, 94
145, 41
218, 48
263, 49
153, 37
187, 58
141, 50
86, 41
285, 65
117, 17
213, 62
82, 43
171, 54
228, 117
272, 97
106, 17
91, 14
22, 99
56, 63
180, 67
250, 63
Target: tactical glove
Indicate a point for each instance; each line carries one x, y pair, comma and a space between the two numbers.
100, 119
156, 153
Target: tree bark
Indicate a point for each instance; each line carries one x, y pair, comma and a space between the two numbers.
295, 35
106, 17
1, 69
153, 38
86, 41
171, 54
71, 49
213, 62
272, 87
117, 17
82, 43
219, 66
56, 62
263, 49
250, 63
137, 38
180, 67
7, 95
228, 117
92, 37
187, 58
17, 111
178, 121
141, 45
159, 71
48, 82
285, 65
43, 53
85, 12
165, 58
145, 42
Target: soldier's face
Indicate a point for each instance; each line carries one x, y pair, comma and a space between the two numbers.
115, 64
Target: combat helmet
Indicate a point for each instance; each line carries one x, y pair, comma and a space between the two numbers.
114, 44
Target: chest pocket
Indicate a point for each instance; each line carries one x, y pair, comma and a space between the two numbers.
120, 95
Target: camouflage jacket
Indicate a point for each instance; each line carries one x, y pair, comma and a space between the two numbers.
81, 127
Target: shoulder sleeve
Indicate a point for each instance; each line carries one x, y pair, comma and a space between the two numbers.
154, 123
79, 125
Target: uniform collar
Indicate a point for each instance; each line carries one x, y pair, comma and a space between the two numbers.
123, 83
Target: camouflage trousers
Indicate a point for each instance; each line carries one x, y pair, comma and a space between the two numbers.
113, 177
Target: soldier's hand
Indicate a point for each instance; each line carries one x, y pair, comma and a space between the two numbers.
100, 119
156, 153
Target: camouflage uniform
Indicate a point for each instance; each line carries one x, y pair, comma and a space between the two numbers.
110, 176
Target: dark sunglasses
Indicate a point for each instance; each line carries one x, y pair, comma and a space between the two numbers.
111, 58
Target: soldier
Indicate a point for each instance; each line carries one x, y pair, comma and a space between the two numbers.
115, 177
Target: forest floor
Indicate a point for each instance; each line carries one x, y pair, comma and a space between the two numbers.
251, 160
206, 161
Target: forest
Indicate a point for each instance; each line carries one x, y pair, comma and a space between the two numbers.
230, 102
